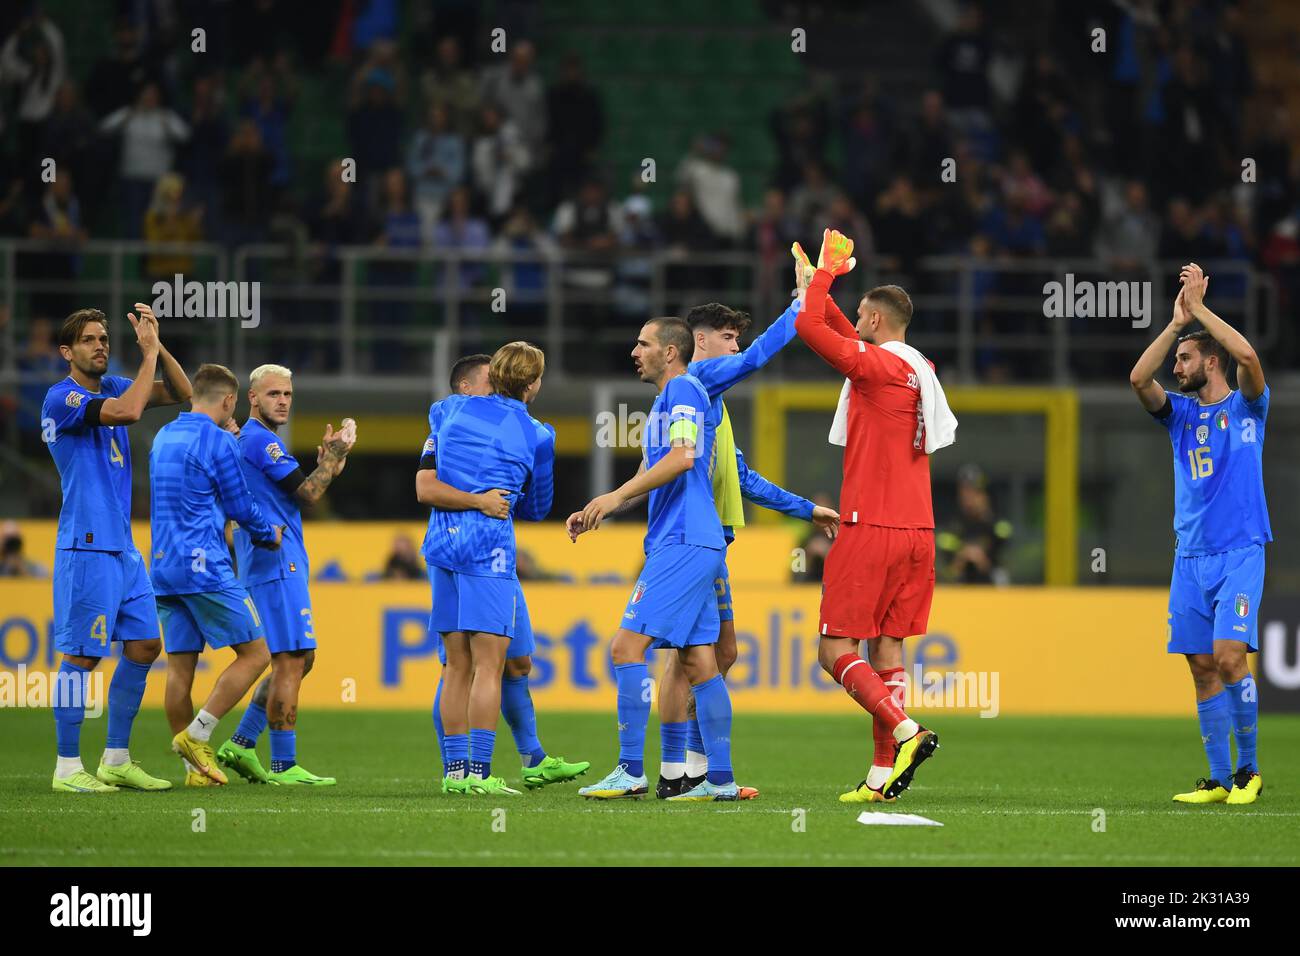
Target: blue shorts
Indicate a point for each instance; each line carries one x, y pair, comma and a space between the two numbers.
1215, 597
675, 600
101, 597
215, 618
285, 609
471, 602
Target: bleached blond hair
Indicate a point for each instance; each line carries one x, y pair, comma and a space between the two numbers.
262, 371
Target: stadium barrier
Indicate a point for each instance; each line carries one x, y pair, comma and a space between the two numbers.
995, 651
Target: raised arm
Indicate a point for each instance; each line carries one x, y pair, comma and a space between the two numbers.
127, 408
1143, 377
719, 374
1250, 374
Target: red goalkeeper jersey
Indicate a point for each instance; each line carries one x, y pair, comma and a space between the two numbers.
886, 469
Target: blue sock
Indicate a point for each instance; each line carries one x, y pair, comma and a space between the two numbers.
713, 710
1216, 729
481, 745
437, 726
633, 715
70, 707
517, 708
250, 726
672, 742
124, 694
1243, 705
456, 754
284, 750
694, 742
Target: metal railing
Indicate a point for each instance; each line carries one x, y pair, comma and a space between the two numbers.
355, 316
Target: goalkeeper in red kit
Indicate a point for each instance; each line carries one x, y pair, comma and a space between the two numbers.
879, 576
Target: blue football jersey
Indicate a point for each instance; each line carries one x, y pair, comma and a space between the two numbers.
478, 443
1218, 472
266, 462
94, 465
682, 511
197, 483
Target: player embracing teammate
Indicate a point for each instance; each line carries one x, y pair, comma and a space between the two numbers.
879, 576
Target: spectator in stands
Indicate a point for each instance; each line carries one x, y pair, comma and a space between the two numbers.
900, 229
714, 187
963, 62
374, 128
518, 90
843, 216
810, 201
525, 282
403, 562
245, 173
870, 145
449, 83
169, 219
375, 22
933, 140
800, 129
500, 160
1020, 182
338, 216
40, 365
13, 562
32, 61
435, 163
1068, 236
684, 231
56, 220
1130, 236
399, 230
576, 129
973, 542
150, 134
589, 224
1044, 110
268, 101
116, 81
201, 160
71, 139
461, 230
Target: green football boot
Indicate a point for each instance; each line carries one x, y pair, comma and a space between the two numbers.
553, 770
491, 787
82, 782
455, 785
297, 776
130, 776
242, 760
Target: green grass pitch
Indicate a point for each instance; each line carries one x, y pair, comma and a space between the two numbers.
1009, 791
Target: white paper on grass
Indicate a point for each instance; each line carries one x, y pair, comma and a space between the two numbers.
876, 818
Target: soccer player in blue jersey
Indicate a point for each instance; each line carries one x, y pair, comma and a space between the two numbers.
277, 580
719, 364
484, 443
469, 376
1221, 526
673, 604
197, 483
101, 587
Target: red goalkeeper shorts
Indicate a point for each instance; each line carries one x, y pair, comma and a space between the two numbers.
878, 581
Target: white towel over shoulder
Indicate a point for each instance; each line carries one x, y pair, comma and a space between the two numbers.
940, 423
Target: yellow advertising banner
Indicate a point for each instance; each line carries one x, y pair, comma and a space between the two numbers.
990, 651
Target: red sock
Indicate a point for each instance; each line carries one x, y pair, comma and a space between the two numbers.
894, 680
863, 685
